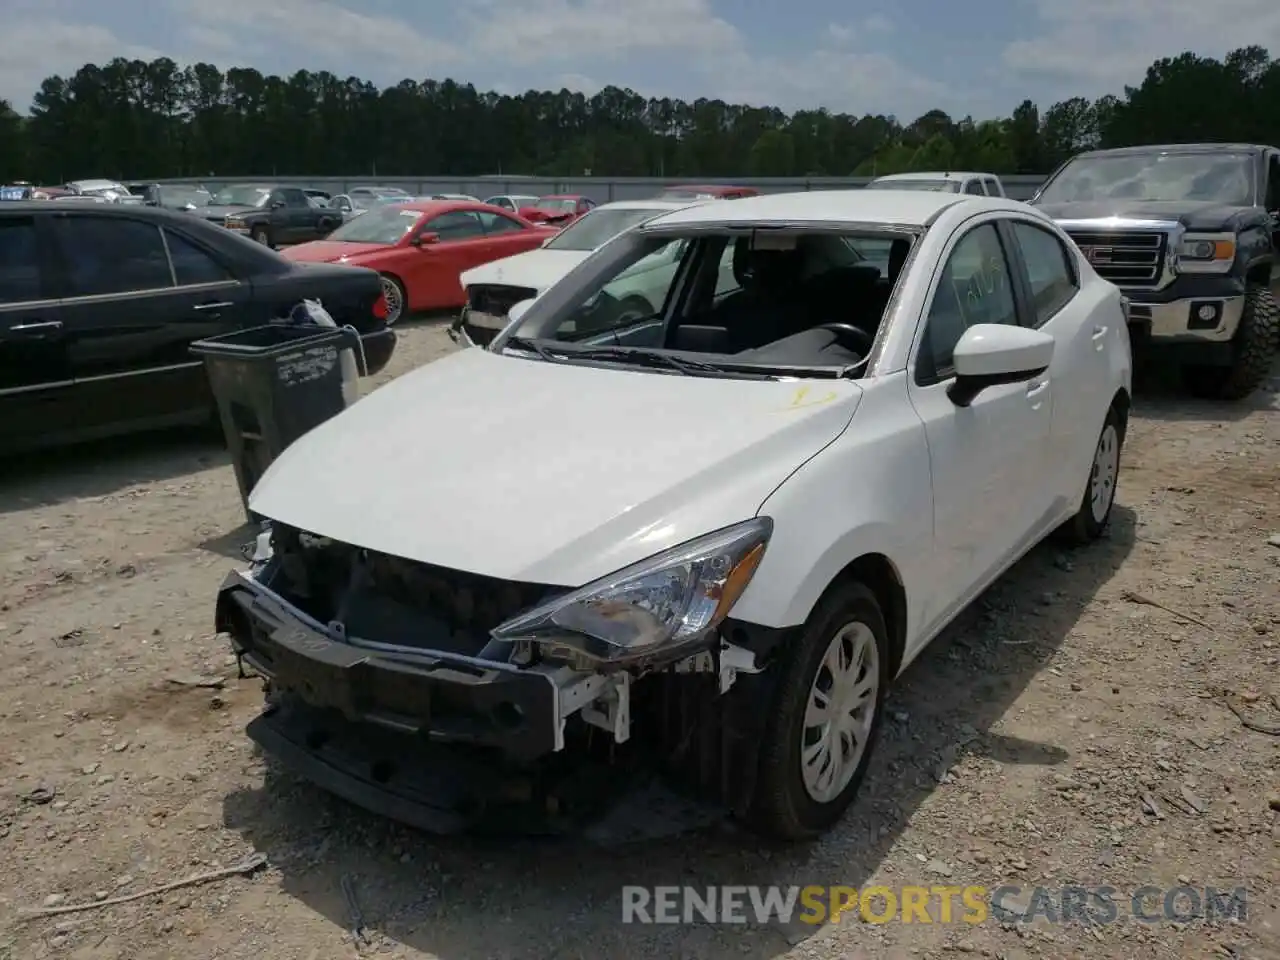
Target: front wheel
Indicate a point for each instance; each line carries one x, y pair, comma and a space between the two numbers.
1252, 348
393, 292
826, 715
261, 235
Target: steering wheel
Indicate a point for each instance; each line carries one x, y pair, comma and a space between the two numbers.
850, 336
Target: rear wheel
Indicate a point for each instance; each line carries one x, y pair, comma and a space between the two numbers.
1252, 348
825, 718
1100, 493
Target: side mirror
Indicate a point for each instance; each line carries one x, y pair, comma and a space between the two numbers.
277, 204
518, 310
424, 239
990, 354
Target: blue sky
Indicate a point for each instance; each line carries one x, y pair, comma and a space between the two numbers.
979, 57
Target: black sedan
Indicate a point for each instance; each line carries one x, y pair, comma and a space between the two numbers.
99, 304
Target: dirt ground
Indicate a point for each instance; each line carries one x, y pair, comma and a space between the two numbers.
1064, 733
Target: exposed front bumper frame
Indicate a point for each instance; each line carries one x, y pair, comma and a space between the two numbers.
519, 710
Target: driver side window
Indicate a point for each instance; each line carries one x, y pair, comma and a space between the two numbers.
1273, 184
974, 288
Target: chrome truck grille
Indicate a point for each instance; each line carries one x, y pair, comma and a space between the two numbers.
1127, 258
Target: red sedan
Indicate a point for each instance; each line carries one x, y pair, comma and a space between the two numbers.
711, 191
558, 209
421, 247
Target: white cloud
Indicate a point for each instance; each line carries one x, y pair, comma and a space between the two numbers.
324, 27
843, 33
32, 48
1100, 45
528, 32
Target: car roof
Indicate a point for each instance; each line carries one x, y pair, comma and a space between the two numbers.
935, 175
1175, 148
650, 204
707, 187
910, 208
562, 196
433, 207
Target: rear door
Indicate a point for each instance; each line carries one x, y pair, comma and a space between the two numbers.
134, 298
302, 219
506, 236
463, 244
35, 376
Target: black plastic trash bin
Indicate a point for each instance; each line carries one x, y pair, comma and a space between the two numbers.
272, 384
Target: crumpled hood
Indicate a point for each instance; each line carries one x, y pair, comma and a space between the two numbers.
1193, 215
547, 472
331, 251
537, 269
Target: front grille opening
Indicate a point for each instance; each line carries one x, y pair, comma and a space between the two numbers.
1127, 258
389, 599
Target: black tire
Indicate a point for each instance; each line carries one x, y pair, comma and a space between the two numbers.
261, 235
1252, 348
393, 291
1088, 523
782, 807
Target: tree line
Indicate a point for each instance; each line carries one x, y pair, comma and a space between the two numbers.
132, 119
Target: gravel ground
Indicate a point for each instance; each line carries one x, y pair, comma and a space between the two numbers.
1065, 731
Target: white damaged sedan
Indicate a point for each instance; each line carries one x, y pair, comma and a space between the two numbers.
703, 540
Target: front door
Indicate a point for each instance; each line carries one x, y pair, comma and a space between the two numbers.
987, 459
35, 377
134, 300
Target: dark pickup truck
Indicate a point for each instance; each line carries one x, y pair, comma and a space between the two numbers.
99, 305
270, 214
1190, 233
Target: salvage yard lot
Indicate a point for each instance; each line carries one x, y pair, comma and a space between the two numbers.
1074, 727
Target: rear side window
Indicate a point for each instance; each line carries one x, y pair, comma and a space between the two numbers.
497, 223
1050, 270
993, 187
973, 186
19, 261
191, 265
106, 255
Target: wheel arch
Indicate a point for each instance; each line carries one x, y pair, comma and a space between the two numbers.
881, 576
1121, 403
1259, 273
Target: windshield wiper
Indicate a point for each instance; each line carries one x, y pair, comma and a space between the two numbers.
531, 345
646, 357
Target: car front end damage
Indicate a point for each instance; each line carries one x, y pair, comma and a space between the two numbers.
453, 701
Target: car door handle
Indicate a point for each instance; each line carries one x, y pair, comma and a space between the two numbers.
1099, 332
213, 306
36, 327
1036, 388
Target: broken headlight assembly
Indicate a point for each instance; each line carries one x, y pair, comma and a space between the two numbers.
652, 612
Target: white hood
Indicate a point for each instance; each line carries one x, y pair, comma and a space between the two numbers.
537, 269
547, 472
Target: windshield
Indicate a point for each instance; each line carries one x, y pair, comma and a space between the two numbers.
742, 304
1225, 178
386, 225
554, 205
929, 186
366, 203
598, 227
181, 196
240, 197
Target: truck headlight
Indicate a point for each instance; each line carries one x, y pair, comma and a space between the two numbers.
655, 609
1206, 253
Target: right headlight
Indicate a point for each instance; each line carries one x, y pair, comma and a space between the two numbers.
657, 609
